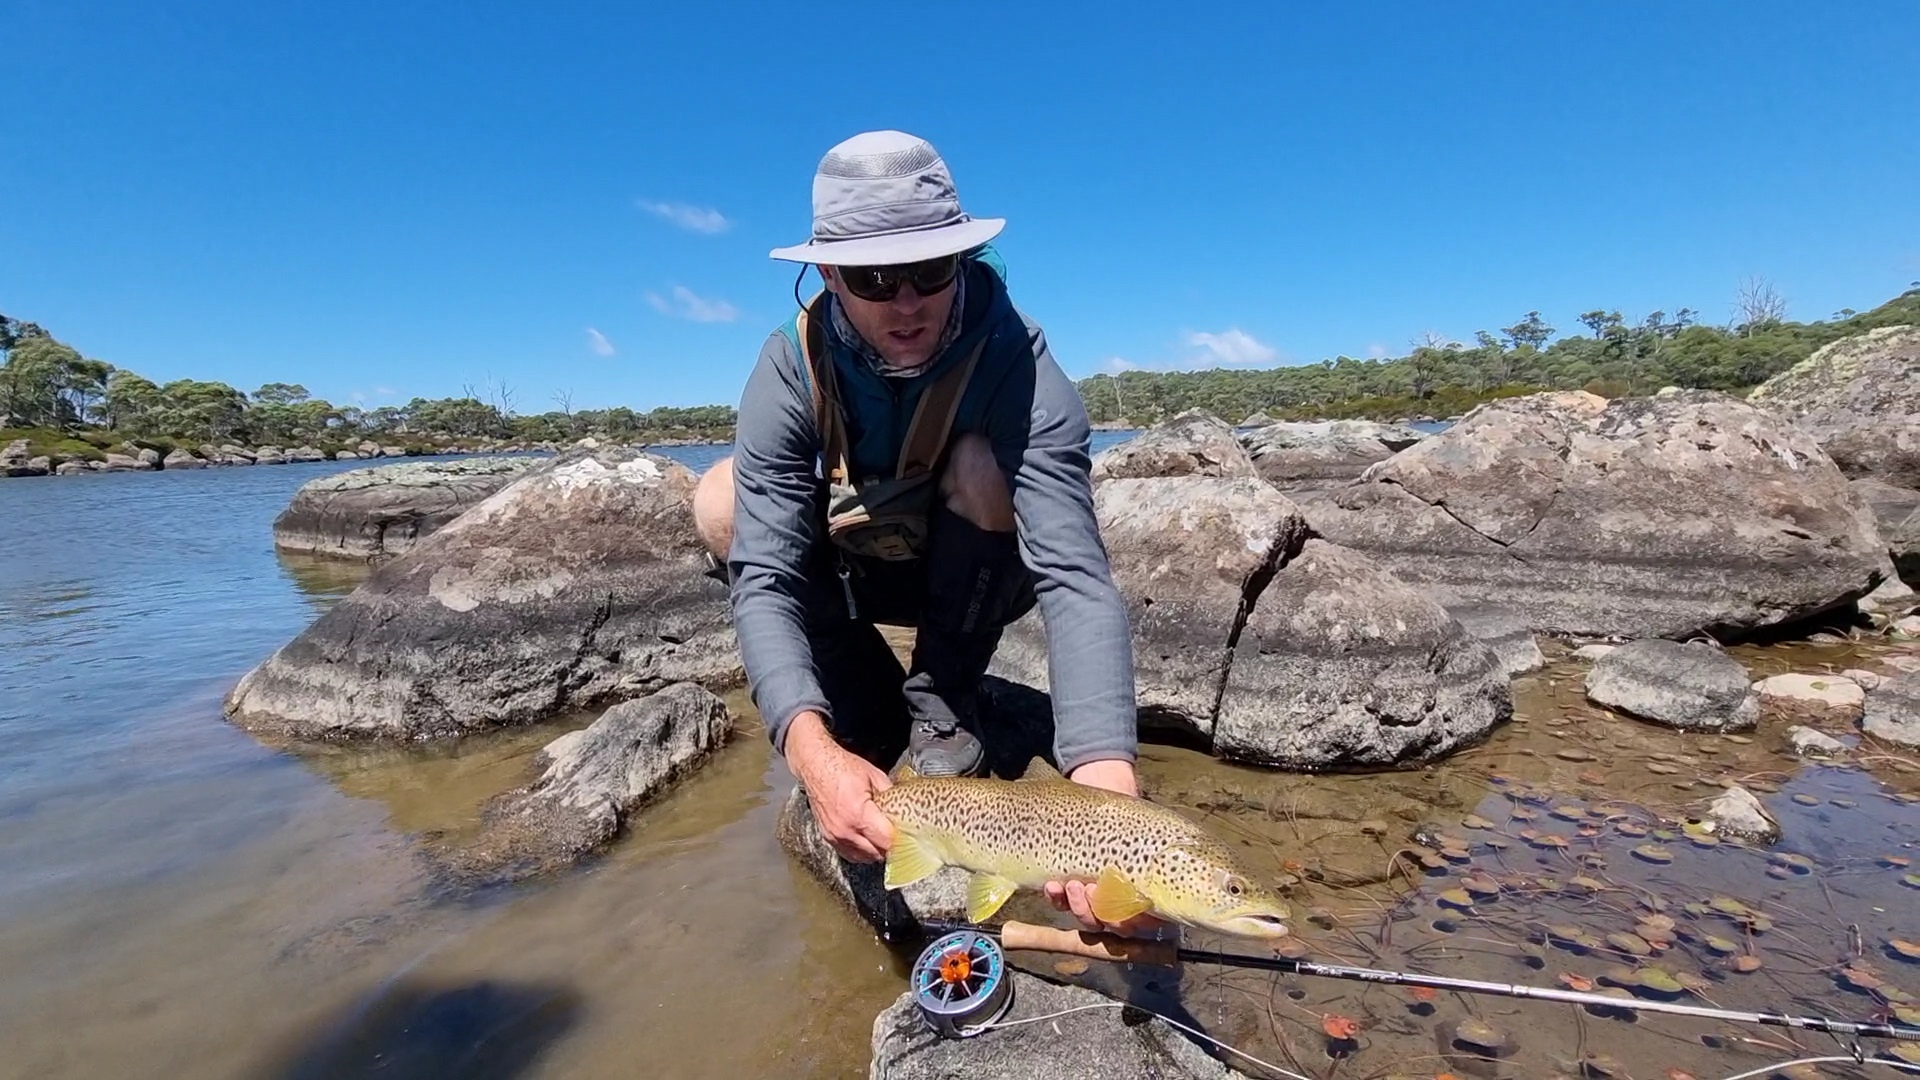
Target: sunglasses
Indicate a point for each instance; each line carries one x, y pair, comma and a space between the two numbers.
882, 283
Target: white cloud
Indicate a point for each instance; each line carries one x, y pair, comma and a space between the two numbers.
689, 305
598, 342
1376, 352
700, 219
1230, 348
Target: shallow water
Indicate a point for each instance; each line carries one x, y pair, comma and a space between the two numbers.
177, 899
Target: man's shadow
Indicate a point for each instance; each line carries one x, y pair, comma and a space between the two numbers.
488, 1030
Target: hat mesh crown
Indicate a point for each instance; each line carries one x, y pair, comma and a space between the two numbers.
896, 163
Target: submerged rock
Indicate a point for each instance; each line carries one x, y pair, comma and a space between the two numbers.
387, 509
1860, 397
1893, 711
1693, 686
1736, 813
595, 778
1280, 649
1807, 742
1505, 632
1195, 443
1639, 517
1593, 651
897, 914
1109, 1042
580, 584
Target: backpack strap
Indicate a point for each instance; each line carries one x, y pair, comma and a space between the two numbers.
932, 423
816, 360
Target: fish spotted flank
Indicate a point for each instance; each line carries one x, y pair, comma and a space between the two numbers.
1140, 858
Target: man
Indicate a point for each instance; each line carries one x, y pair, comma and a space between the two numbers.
909, 453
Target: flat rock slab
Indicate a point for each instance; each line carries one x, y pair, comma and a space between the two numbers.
594, 779
1641, 517
1693, 687
1827, 691
577, 586
1503, 631
1893, 711
1195, 443
386, 510
1102, 1043
1311, 456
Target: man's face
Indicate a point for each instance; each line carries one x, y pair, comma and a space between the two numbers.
903, 330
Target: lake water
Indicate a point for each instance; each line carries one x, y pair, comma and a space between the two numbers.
177, 899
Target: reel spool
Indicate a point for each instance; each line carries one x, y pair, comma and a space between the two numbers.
961, 981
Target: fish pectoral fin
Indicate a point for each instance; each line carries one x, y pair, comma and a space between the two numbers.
985, 894
910, 859
1114, 899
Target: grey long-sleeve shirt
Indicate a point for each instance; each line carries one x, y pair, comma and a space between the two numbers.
1025, 405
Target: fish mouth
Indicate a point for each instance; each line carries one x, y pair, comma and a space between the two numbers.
1257, 926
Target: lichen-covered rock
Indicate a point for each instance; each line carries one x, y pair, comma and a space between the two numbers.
1103, 1043
387, 509
1342, 664
1893, 711
1639, 517
594, 779
579, 585
1195, 443
1860, 397
1279, 649
1505, 632
1692, 686
1312, 456
181, 459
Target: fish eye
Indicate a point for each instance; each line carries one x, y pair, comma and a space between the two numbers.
1233, 887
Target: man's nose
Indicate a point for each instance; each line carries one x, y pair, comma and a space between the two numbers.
907, 301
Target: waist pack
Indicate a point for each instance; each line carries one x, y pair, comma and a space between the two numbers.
880, 517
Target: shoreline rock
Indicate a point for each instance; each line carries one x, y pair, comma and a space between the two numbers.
580, 584
1641, 517
1860, 398
387, 510
1195, 443
1893, 711
1298, 457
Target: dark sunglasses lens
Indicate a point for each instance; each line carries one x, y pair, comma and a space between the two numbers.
933, 275
871, 282
882, 283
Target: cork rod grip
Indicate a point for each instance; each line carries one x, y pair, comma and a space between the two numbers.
1018, 935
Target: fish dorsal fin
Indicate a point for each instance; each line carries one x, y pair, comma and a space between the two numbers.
905, 772
985, 893
910, 859
1114, 899
1039, 769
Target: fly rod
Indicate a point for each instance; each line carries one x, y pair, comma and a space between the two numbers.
1017, 935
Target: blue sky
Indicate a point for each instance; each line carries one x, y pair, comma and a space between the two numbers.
384, 200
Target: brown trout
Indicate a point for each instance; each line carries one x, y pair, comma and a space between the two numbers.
1141, 858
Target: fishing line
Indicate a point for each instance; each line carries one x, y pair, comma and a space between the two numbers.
1268, 1065
1769, 1069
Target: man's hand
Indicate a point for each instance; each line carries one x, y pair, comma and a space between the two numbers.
840, 786
1072, 895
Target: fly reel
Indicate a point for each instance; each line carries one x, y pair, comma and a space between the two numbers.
961, 984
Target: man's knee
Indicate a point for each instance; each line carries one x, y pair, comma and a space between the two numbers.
974, 487
713, 508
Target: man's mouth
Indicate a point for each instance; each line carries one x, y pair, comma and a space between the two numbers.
904, 336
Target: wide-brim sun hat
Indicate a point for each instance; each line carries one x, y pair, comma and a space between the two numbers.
883, 198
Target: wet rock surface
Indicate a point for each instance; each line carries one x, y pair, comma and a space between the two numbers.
386, 510
579, 585
1860, 397
1893, 711
1195, 443
1639, 517
1105, 1042
593, 779
1693, 686
1505, 632
1737, 813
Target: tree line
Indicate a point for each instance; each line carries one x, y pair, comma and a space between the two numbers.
1440, 377
47, 384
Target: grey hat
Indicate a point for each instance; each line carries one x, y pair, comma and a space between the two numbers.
883, 198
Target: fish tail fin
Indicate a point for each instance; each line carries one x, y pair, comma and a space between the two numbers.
910, 859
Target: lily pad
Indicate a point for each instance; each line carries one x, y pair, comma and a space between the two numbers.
1805, 799
1480, 885
1859, 979
1660, 981
1746, 965
1630, 943
1659, 769
1908, 1052
1723, 946
1523, 813
1551, 840
1911, 881
1727, 905
1455, 855
1587, 884
1898, 862
1908, 950
1479, 1034
1573, 753
1632, 828
1653, 853
1457, 898
1569, 813
1475, 821
1704, 840
1738, 740
1906, 1014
